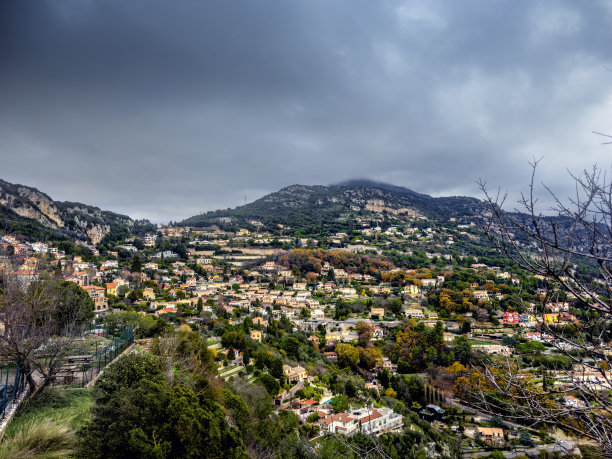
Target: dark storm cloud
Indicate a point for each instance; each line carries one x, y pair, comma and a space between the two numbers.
164, 109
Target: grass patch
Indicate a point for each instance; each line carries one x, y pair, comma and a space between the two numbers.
44, 439
66, 406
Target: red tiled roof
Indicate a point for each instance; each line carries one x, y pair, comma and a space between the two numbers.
307, 402
374, 415
340, 417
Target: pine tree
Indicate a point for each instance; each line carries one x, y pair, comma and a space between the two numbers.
136, 266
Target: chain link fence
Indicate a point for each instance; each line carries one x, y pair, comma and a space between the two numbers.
82, 367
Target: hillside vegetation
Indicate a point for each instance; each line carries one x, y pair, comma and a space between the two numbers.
312, 209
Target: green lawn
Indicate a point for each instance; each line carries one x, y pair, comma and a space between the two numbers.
477, 342
228, 369
71, 406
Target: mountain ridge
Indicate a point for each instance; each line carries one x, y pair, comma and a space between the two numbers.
329, 207
367, 183
25, 209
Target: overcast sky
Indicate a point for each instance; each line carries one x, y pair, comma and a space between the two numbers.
163, 109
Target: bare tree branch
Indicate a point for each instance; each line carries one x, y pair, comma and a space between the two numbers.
559, 249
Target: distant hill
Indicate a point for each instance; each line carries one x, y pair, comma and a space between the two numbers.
27, 211
314, 209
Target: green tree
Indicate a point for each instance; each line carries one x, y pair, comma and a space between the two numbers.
246, 356
137, 415
270, 383
525, 439
462, 349
238, 408
396, 306
136, 265
149, 326
116, 322
340, 404
370, 358
438, 334
233, 339
291, 346
347, 355
276, 367
530, 347
73, 306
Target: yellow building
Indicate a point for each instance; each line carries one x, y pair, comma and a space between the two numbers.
97, 295
256, 335
148, 294
111, 288
411, 290
550, 319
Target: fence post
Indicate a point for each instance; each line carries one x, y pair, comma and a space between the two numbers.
16, 385
5, 392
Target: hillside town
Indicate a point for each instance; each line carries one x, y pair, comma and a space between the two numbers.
368, 331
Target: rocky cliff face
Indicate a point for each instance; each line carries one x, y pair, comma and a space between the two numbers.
31, 203
77, 219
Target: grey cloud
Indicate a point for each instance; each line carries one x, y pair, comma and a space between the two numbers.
165, 109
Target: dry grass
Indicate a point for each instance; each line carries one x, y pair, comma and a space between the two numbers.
44, 439
63, 406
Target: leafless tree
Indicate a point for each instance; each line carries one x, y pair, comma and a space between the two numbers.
36, 329
570, 250
604, 135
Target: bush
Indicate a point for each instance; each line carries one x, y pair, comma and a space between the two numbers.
525, 439
340, 404
270, 383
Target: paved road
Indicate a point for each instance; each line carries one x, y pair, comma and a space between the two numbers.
561, 447
455, 403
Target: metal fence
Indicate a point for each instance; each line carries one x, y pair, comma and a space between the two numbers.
83, 367
11, 387
78, 370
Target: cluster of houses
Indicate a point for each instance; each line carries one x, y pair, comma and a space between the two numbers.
205, 277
